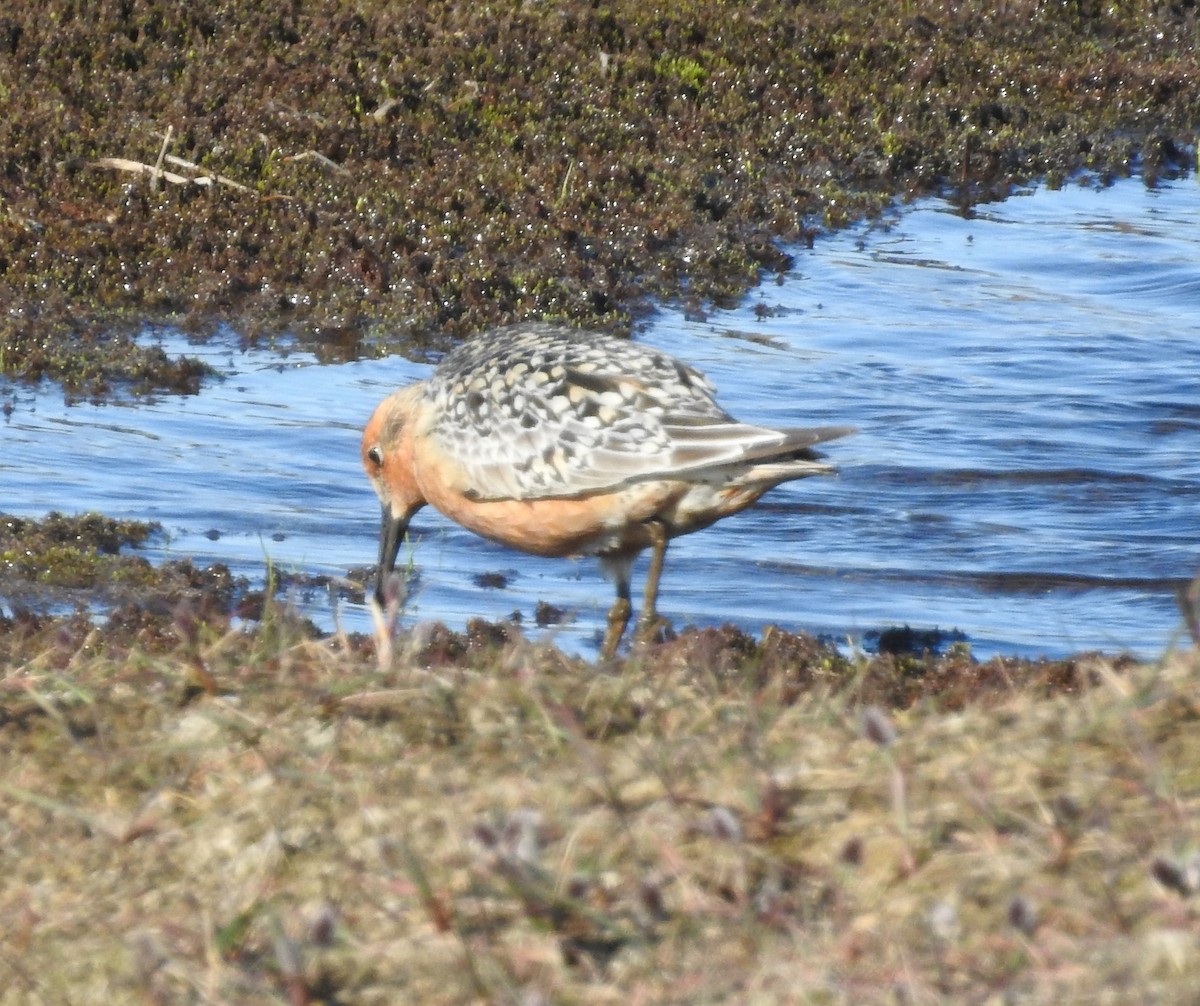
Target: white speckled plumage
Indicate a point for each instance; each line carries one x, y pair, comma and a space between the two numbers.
537, 411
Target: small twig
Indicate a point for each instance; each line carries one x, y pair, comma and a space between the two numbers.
565, 187
162, 152
179, 162
313, 155
157, 172
141, 168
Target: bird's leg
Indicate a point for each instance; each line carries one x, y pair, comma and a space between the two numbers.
648, 621
618, 618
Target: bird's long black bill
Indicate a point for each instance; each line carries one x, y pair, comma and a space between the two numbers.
391, 534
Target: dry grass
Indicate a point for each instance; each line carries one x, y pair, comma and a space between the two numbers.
518, 827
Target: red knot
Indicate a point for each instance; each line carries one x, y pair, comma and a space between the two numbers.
561, 442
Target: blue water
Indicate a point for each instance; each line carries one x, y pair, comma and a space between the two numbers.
1027, 384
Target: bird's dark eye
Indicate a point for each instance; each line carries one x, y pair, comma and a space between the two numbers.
375, 455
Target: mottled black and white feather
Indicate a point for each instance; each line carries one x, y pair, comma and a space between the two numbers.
540, 411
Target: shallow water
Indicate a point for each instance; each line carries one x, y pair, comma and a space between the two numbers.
1027, 384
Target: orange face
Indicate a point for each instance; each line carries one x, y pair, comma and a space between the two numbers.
386, 451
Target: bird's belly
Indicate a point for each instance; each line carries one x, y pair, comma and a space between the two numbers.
586, 525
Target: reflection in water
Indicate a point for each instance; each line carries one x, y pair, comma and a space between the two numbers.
1027, 383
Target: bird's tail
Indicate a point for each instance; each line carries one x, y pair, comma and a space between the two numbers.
795, 457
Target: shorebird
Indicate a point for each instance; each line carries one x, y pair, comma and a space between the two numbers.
562, 442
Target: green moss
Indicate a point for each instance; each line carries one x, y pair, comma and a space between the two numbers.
402, 164
72, 552
94, 360
683, 70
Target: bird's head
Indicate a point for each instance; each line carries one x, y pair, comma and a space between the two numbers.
387, 458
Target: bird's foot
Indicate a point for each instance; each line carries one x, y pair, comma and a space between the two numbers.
652, 629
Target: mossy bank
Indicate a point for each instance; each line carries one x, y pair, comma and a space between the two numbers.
357, 169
